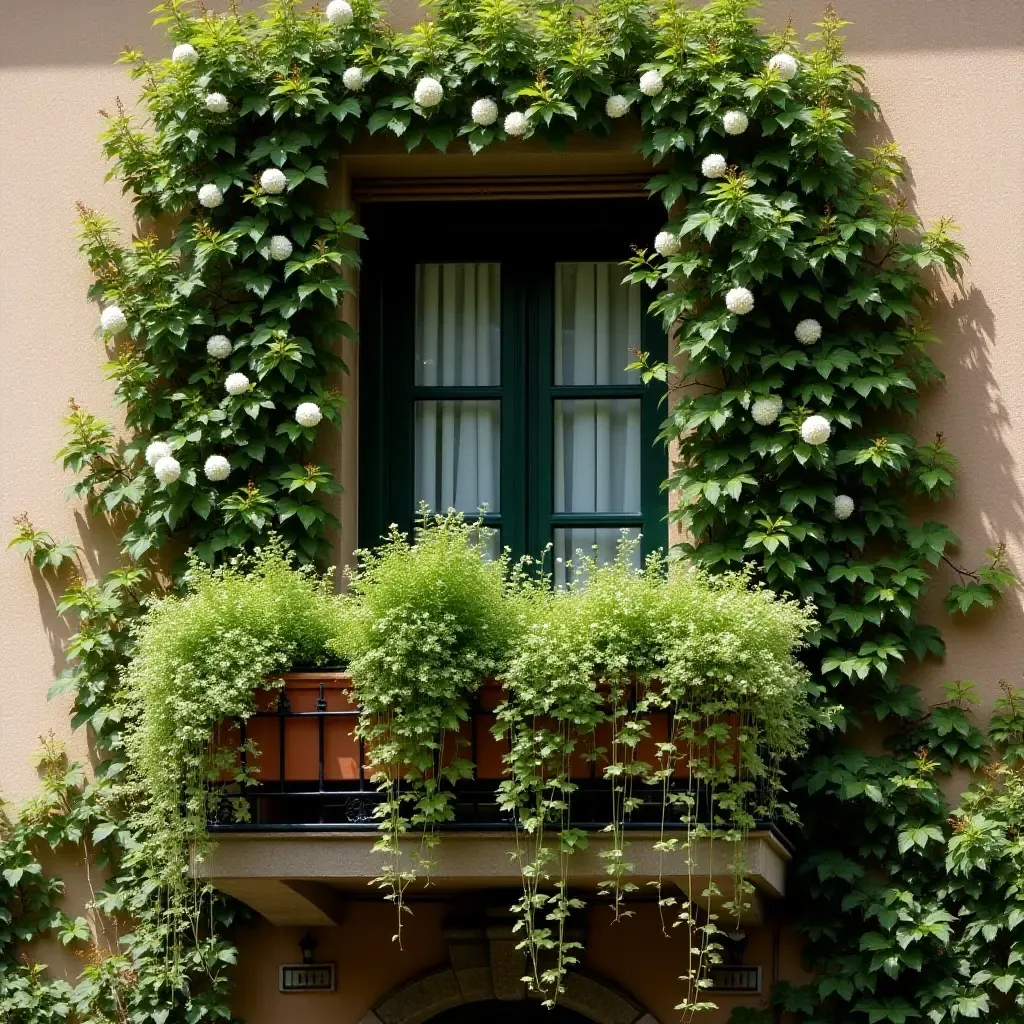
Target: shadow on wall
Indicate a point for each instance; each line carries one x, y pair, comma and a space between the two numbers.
55, 32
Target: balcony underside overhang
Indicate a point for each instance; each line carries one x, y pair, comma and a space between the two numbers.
304, 879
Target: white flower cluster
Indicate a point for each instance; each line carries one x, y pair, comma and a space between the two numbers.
714, 166
339, 12
218, 346
784, 65
484, 112
210, 196
272, 180
616, 106
815, 430
167, 469
280, 247
516, 124
156, 451
217, 103
766, 410
807, 332
353, 79
308, 414
184, 53
217, 468
428, 92
113, 320
735, 122
667, 244
236, 384
843, 506
739, 301
651, 83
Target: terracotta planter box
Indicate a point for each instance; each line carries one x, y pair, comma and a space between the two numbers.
315, 711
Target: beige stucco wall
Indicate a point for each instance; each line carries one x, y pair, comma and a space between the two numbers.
950, 78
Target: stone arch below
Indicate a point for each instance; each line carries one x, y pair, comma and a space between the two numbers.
486, 966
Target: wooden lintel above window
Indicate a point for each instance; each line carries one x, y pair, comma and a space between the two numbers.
541, 186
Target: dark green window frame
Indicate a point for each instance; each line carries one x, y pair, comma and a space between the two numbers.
527, 239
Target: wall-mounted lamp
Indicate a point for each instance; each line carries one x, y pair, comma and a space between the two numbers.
308, 946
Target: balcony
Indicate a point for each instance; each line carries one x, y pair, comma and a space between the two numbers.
311, 824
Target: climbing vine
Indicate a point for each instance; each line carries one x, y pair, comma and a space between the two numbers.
797, 288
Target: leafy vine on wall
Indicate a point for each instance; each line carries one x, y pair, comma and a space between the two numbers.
794, 271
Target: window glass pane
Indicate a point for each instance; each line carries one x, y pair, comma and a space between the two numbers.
598, 543
597, 455
490, 542
457, 455
458, 324
597, 324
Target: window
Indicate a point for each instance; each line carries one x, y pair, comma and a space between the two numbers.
492, 373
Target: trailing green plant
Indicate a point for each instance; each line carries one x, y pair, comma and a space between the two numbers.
611, 652
199, 659
428, 619
793, 455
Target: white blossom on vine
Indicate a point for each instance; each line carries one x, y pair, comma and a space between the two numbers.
484, 112
236, 384
184, 53
113, 320
666, 243
157, 450
219, 346
516, 124
339, 12
353, 79
280, 247
739, 301
273, 181
843, 506
210, 196
616, 106
167, 469
428, 93
815, 430
217, 468
217, 103
651, 83
807, 332
735, 122
714, 165
784, 65
308, 414
766, 410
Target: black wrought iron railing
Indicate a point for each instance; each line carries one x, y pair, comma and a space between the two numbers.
313, 773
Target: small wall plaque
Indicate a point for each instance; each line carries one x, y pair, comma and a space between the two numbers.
307, 978
735, 979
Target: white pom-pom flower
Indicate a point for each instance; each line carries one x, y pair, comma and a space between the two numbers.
651, 83
167, 469
113, 320
714, 166
484, 112
210, 196
616, 106
735, 122
353, 79
272, 180
280, 247
218, 346
217, 468
807, 332
739, 301
815, 430
308, 414
184, 53
157, 450
666, 243
784, 65
217, 103
428, 92
843, 506
766, 410
236, 384
516, 124
339, 12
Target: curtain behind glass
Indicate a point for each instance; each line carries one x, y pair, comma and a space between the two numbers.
458, 343
597, 441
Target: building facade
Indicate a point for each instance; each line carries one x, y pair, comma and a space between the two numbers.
948, 77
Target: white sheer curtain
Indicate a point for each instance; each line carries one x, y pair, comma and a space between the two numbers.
458, 343
597, 440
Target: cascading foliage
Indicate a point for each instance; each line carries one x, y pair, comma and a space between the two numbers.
797, 289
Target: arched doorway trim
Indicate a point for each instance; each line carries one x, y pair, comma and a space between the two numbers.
417, 1001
